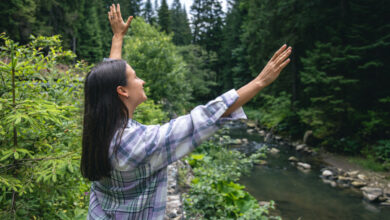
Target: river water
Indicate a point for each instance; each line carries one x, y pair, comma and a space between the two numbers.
300, 195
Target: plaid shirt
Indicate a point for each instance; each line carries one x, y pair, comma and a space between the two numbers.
137, 188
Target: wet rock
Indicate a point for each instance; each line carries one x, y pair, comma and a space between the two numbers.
244, 140
386, 192
268, 137
261, 132
330, 182
385, 203
274, 151
292, 159
308, 137
264, 203
352, 173
238, 141
371, 193
300, 147
305, 166
250, 131
362, 177
278, 138
327, 173
251, 124
358, 184
262, 162
344, 179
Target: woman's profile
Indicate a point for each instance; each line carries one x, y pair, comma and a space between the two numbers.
127, 160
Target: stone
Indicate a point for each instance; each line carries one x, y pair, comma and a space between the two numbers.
238, 141
264, 203
358, 184
327, 173
292, 159
261, 132
386, 192
344, 179
306, 136
245, 141
362, 177
300, 147
251, 124
250, 131
385, 203
371, 193
352, 173
262, 162
274, 151
304, 165
268, 137
278, 138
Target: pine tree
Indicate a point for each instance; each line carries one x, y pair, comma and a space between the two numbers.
180, 25
148, 13
164, 17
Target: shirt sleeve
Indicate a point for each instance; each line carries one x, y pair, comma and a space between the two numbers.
160, 145
172, 141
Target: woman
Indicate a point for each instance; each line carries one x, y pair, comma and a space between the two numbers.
127, 160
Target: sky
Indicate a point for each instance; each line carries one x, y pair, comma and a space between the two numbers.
188, 4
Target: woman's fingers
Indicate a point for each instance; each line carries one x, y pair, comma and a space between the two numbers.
282, 57
284, 64
278, 52
118, 11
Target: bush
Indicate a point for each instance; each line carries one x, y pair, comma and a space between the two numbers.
214, 193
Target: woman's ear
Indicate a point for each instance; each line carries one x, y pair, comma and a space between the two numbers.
122, 91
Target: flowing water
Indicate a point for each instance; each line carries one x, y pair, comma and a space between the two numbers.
300, 195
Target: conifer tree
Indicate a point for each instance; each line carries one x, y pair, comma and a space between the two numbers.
164, 17
148, 13
180, 25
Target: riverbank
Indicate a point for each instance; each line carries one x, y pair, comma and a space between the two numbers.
337, 170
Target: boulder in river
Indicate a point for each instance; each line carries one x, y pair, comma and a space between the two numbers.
305, 166
251, 124
362, 177
300, 147
352, 173
327, 173
292, 159
371, 193
274, 151
358, 184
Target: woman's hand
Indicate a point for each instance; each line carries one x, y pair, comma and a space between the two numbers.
274, 66
118, 26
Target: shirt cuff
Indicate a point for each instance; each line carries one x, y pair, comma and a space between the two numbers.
107, 59
229, 98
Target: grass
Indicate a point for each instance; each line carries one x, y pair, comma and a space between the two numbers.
369, 163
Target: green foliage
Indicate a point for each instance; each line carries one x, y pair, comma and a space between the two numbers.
41, 130
149, 113
214, 193
164, 17
157, 61
180, 25
201, 76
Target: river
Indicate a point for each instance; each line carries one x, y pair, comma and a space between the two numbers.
300, 195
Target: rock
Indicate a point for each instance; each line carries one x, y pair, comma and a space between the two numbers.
327, 173
251, 124
274, 151
292, 159
386, 203
278, 138
238, 141
332, 183
304, 165
264, 203
386, 192
352, 173
362, 177
371, 193
172, 215
250, 131
358, 184
261, 132
308, 134
244, 140
300, 147
268, 137
262, 162
344, 179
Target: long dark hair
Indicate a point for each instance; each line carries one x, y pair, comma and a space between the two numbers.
104, 115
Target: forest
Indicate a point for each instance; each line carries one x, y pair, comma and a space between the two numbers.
336, 85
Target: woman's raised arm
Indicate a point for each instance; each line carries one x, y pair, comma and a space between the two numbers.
270, 72
119, 29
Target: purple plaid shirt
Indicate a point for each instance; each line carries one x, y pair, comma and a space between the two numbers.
137, 188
